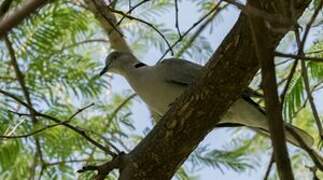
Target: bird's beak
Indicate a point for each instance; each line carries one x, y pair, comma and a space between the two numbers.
104, 70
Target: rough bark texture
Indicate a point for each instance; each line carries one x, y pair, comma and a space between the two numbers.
18, 15
198, 110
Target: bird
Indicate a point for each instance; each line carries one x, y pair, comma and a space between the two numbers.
159, 86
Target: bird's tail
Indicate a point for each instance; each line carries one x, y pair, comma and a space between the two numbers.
289, 132
246, 112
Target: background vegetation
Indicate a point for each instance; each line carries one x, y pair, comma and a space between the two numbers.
54, 56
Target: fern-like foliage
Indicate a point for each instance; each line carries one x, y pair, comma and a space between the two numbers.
57, 52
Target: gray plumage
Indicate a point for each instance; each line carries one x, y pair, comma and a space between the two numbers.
161, 84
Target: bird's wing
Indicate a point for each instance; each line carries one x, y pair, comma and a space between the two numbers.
247, 112
179, 71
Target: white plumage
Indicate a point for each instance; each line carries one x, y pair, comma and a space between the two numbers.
161, 84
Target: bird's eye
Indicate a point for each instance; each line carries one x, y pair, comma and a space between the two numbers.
114, 57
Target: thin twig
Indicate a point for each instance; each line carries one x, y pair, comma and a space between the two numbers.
75, 129
311, 99
190, 29
46, 127
270, 165
24, 88
143, 22
176, 19
119, 107
19, 74
289, 80
315, 52
314, 89
64, 48
14, 98
130, 11
71, 161
105, 140
304, 69
306, 58
103, 170
199, 31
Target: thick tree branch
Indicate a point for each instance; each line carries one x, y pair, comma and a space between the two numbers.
18, 15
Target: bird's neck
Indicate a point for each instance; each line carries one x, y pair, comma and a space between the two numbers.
132, 68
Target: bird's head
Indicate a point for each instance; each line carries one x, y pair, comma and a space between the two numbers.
118, 62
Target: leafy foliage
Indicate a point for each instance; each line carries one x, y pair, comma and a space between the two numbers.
60, 65
234, 159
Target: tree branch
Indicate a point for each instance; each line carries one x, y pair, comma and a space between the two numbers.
305, 73
302, 57
199, 31
265, 54
75, 129
24, 88
18, 15
46, 127
108, 22
213, 10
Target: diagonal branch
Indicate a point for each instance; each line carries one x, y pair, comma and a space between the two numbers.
305, 73
24, 88
54, 119
12, 19
302, 57
199, 31
176, 19
46, 127
108, 22
143, 22
213, 10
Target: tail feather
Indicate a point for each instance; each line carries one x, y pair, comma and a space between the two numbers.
249, 114
307, 139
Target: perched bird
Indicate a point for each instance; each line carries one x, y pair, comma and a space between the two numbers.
159, 86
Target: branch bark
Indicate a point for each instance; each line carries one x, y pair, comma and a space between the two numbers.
12, 19
108, 21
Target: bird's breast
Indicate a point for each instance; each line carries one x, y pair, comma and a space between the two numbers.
155, 91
